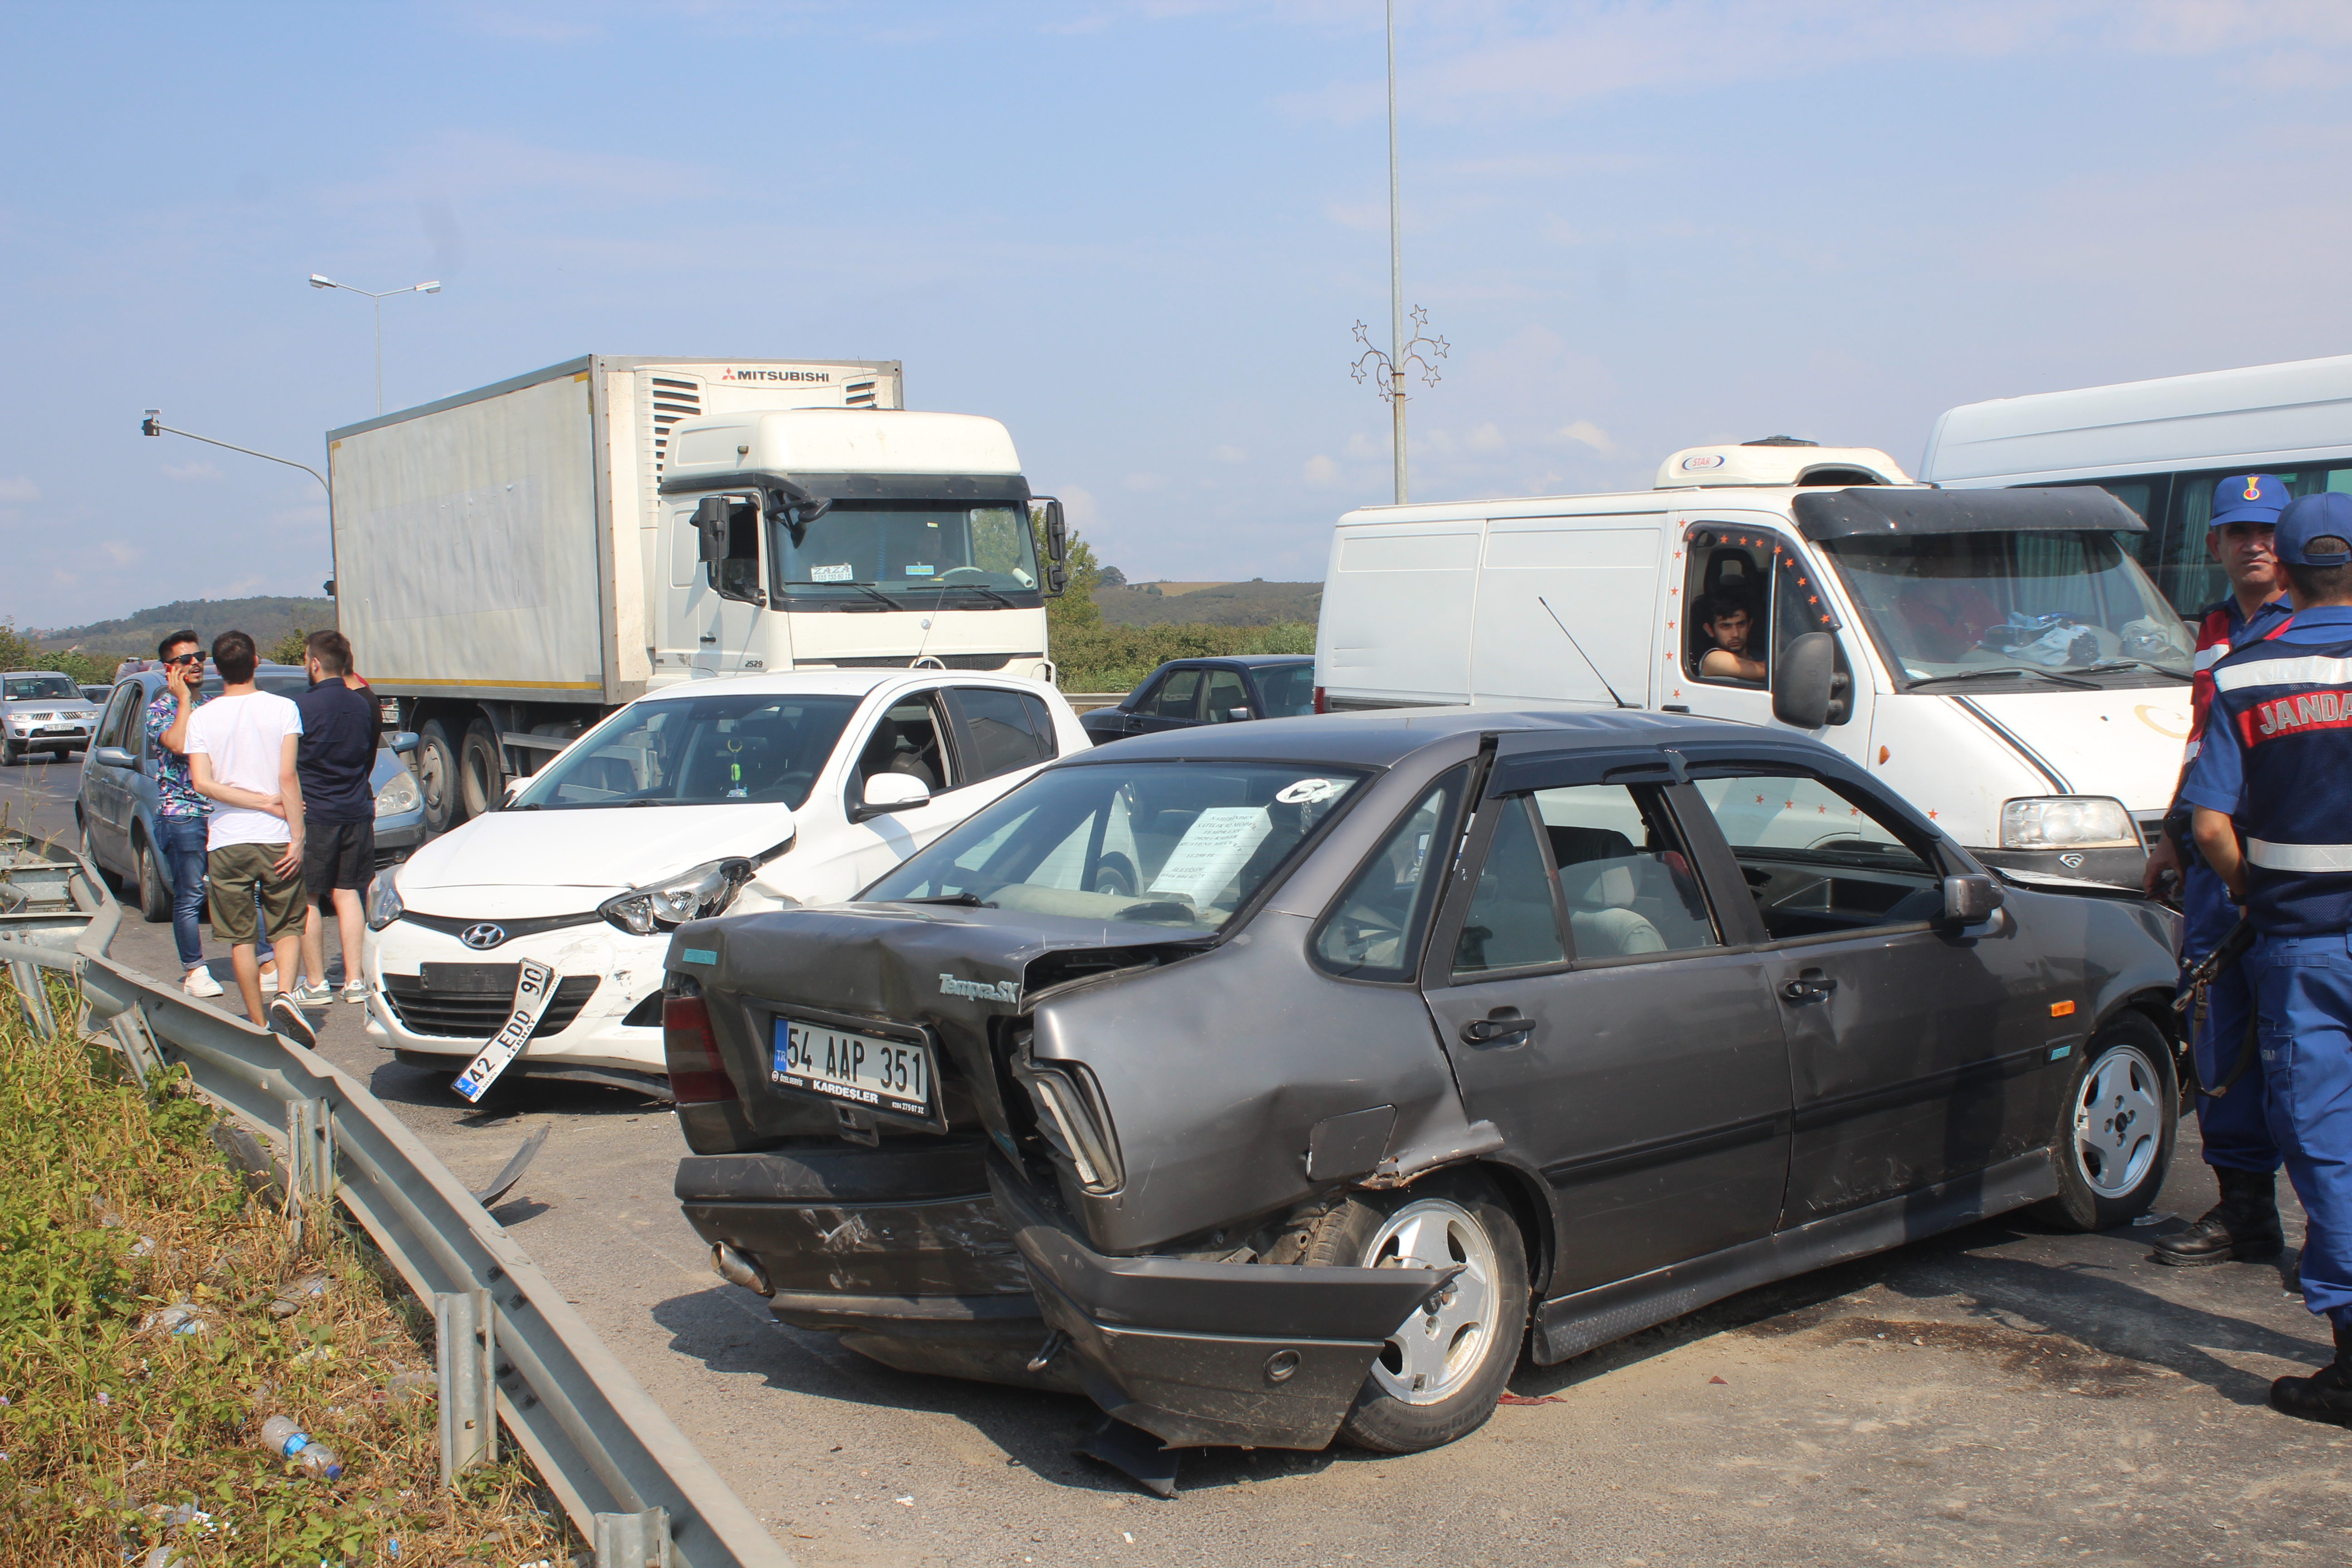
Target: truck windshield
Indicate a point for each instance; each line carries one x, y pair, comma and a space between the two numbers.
1157, 844
903, 548
2025, 602
753, 747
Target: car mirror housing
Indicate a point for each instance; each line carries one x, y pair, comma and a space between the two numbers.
401, 741
1802, 680
1970, 900
892, 792
1236, 715
113, 757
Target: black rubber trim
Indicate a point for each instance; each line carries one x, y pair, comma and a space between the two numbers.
1877, 510
1949, 1084
1669, 1151
936, 1168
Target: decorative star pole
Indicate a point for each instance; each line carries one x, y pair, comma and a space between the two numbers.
1387, 369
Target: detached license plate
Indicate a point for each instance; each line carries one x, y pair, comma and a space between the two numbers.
897, 1076
534, 987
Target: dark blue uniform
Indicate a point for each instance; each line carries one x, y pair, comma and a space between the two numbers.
2277, 756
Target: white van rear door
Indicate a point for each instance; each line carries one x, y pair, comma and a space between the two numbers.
1397, 610
1551, 586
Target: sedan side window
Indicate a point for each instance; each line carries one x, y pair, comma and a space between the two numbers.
1227, 697
1004, 739
1819, 861
1513, 921
1176, 696
112, 728
1374, 931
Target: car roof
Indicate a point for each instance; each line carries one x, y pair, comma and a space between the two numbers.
1383, 737
833, 682
1253, 660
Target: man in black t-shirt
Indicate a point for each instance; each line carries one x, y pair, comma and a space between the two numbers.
341, 726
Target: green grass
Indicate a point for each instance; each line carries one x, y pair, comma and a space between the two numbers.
114, 1203
1109, 658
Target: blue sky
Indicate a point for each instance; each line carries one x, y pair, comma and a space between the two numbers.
1139, 234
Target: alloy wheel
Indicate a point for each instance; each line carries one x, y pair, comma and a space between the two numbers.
2118, 1121
1444, 1343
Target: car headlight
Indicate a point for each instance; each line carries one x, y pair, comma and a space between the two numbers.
693, 894
2067, 822
382, 900
397, 796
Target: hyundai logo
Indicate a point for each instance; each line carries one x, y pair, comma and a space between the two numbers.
483, 935
2072, 863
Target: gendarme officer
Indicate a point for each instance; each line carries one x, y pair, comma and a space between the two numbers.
2276, 767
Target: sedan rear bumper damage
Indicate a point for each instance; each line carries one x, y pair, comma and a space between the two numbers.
1193, 1352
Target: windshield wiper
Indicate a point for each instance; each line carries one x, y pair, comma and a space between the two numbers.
2138, 663
2004, 669
969, 900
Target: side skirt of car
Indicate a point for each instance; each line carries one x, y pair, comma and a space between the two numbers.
1571, 1325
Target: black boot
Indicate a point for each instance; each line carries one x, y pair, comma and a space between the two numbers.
2243, 1225
2325, 1394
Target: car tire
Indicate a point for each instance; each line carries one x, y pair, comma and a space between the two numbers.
11, 754
154, 898
1470, 1348
437, 778
2115, 1126
481, 770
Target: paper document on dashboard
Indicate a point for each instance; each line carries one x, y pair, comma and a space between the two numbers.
1217, 844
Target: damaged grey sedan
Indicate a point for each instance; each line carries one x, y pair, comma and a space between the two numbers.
1282, 1083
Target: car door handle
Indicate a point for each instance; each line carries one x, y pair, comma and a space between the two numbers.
710, 640
1502, 1024
1812, 986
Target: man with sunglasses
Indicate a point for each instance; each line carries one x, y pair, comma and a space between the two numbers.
180, 813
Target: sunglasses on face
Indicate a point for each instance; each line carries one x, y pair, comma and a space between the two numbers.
186, 658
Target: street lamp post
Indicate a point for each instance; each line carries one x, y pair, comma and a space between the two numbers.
318, 283
1396, 273
151, 423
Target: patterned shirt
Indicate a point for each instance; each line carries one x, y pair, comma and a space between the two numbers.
175, 791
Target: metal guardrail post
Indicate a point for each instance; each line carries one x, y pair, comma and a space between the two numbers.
465, 1349
311, 1162
138, 1047
633, 1540
31, 997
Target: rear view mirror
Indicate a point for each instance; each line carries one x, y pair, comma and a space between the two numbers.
112, 757
1809, 690
401, 741
1968, 901
710, 522
892, 792
1057, 531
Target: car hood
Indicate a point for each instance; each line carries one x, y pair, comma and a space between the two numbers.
614, 848
2123, 744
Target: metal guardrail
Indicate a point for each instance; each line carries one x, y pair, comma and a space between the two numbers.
601, 1443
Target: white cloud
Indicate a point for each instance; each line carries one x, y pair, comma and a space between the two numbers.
1486, 439
200, 470
1320, 470
1229, 454
19, 491
122, 554
1592, 434
1364, 450
1078, 506
1143, 481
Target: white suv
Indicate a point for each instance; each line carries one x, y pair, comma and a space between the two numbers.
761, 793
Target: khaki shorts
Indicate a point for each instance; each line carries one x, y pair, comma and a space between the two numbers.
234, 872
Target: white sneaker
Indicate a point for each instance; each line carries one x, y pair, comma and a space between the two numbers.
269, 983
200, 983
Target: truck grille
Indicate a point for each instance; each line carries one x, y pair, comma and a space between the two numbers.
673, 400
470, 1001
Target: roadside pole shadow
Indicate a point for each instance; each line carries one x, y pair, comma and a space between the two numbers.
1038, 1428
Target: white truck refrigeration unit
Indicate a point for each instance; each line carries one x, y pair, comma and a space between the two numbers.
512, 564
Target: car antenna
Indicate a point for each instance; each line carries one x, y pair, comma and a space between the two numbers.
1581, 653
917, 662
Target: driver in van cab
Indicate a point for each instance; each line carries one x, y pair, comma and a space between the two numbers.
1727, 625
1945, 614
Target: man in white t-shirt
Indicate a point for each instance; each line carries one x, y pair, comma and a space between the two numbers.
241, 749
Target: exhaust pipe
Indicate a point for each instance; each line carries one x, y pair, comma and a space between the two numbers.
737, 1270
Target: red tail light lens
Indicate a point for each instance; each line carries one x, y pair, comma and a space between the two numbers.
1322, 701
696, 1076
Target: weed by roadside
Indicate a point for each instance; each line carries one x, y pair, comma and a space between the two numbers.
153, 1314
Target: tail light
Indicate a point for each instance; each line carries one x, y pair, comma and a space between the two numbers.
1322, 701
690, 1051
1074, 1122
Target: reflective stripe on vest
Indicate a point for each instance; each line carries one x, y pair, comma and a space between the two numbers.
2320, 857
2309, 671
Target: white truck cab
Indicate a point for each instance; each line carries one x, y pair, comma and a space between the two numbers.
1997, 657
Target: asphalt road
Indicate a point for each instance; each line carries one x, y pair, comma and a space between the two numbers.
1998, 1395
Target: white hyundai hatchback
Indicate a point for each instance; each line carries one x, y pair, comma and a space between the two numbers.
744, 795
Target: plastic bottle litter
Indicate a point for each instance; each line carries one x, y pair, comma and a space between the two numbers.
410, 1384
279, 1435
301, 1293
178, 1318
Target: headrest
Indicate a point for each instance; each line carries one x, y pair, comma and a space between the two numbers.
1598, 884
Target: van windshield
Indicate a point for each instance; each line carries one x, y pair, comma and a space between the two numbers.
2023, 601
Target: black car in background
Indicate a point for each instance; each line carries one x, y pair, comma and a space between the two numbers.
1187, 691
1284, 1081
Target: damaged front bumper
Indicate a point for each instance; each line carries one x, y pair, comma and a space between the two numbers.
1264, 1355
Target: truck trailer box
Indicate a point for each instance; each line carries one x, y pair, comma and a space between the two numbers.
499, 544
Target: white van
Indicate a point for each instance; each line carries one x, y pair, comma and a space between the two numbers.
2160, 446
1996, 656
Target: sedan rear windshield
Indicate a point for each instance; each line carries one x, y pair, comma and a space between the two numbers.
1157, 844
753, 747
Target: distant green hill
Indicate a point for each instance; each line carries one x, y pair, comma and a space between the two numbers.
1215, 605
264, 619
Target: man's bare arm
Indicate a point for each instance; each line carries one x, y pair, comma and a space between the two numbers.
2217, 840
200, 772
290, 788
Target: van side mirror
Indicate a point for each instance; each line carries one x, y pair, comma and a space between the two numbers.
1809, 690
1970, 900
892, 792
710, 522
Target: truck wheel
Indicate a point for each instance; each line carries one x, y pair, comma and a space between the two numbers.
1438, 1377
437, 777
154, 898
2113, 1142
481, 770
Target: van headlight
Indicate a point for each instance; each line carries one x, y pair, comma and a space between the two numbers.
382, 900
692, 895
397, 796
2067, 822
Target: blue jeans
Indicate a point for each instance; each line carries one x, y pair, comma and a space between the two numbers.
2302, 989
182, 840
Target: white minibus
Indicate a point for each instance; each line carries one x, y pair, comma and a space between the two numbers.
2159, 448
1997, 657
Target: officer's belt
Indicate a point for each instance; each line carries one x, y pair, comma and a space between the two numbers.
2272, 857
